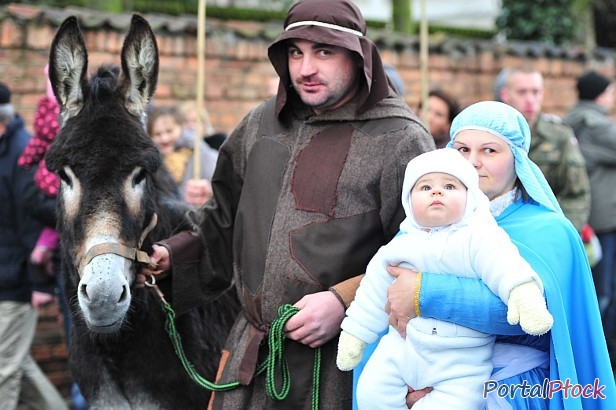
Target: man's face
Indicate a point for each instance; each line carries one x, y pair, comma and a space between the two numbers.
524, 92
324, 76
606, 98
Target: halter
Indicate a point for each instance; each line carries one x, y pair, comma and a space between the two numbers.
133, 254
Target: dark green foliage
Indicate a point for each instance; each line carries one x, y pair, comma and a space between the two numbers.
605, 22
537, 20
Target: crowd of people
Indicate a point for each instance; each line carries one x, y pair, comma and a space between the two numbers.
480, 241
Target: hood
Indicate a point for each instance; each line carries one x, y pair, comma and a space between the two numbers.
448, 161
338, 23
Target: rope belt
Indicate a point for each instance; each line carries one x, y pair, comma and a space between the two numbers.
275, 365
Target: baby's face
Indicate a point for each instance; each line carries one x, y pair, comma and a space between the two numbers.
438, 199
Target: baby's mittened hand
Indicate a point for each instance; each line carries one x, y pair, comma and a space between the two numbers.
527, 307
350, 351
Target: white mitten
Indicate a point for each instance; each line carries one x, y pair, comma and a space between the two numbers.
527, 307
350, 351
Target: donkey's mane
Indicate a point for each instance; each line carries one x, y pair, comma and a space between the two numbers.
104, 82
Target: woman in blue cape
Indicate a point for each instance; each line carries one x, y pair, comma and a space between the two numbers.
571, 361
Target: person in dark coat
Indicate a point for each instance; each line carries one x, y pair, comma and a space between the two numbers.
22, 383
596, 131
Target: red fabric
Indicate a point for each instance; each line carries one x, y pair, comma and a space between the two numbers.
46, 126
587, 233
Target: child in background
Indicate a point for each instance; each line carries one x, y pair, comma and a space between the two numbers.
46, 126
448, 229
188, 110
165, 127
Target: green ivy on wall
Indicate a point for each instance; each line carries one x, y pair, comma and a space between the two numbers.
537, 20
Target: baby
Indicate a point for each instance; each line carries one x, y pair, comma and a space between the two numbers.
449, 230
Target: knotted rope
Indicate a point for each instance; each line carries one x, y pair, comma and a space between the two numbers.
275, 365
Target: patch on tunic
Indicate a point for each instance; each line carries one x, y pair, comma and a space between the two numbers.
318, 169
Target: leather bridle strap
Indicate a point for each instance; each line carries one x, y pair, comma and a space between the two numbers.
125, 251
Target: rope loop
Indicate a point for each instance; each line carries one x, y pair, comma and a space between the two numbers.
275, 366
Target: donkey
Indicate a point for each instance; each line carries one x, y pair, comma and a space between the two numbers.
113, 202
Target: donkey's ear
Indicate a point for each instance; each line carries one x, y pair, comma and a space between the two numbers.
68, 66
139, 66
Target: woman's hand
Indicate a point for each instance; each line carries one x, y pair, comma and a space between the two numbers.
414, 395
401, 298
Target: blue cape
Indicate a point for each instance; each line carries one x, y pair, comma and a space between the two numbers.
577, 350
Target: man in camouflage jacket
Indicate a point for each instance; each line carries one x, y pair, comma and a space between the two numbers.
553, 147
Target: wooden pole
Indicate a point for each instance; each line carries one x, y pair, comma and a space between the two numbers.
200, 88
423, 60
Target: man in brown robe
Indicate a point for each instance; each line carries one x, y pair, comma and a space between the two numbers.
306, 190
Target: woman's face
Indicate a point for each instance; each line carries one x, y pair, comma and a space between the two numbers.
491, 157
438, 116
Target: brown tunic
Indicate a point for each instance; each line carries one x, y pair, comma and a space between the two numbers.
297, 209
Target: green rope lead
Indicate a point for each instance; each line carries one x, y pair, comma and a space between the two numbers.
179, 351
276, 359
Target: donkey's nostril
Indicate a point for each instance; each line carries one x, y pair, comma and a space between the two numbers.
83, 291
124, 294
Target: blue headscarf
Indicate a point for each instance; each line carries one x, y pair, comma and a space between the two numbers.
507, 123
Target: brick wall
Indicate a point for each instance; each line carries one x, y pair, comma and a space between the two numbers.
237, 71
238, 74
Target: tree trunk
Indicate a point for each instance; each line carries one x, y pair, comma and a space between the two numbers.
402, 16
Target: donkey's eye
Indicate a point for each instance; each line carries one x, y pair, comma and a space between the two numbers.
65, 178
139, 177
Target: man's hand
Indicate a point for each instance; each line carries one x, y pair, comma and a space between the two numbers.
159, 265
318, 320
401, 298
197, 191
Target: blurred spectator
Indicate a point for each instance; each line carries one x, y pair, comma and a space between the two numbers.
395, 79
22, 383
165, 126
40, 200
189, 110
553, 146
499, 83
596, 131
442, 109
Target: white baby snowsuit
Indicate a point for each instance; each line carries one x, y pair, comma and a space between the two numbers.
454, 360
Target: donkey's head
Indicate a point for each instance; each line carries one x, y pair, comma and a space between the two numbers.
106, 163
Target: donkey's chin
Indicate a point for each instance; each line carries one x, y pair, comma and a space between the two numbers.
104, 320
104, 328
